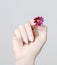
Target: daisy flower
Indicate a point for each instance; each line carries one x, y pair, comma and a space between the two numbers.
39, 20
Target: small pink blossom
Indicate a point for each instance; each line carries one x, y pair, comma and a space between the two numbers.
38, 20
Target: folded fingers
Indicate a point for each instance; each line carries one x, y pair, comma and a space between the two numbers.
29, 32
26, 33
23, 33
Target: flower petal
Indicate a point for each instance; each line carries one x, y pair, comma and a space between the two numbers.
38, 20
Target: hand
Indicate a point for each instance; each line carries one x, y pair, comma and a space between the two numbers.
28, 40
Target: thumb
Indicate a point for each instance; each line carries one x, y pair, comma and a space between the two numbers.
41, 38
41, 30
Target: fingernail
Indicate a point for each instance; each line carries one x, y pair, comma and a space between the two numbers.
32, 22
31, 38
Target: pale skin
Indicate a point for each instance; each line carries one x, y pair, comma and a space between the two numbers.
28, 40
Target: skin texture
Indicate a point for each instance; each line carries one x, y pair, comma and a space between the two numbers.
28, 40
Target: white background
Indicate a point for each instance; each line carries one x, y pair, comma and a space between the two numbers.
15, 12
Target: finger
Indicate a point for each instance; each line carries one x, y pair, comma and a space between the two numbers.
41, 39
17, 42
42, 36
17, 38
18, 35
42, 30
38, 28
29, 32
34, 27
23, 33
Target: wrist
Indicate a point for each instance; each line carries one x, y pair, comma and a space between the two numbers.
25, 61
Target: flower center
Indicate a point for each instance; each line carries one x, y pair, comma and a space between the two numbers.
38, 20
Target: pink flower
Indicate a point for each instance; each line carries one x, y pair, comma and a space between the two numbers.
38, 20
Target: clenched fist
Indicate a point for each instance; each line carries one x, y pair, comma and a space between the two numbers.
28, 40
